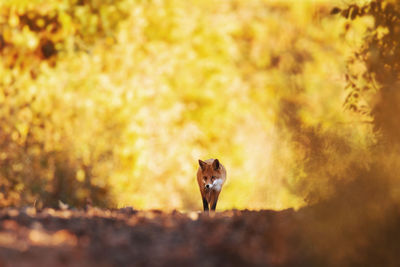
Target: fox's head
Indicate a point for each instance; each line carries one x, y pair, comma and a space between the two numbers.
211, 175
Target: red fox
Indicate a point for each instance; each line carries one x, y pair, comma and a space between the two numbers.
211, 176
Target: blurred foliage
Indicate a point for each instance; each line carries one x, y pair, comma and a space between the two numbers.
48, 119
334, 161
374, 87
114, 101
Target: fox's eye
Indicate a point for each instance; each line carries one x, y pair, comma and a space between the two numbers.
213, 178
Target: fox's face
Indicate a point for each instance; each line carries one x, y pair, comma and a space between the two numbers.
211, 175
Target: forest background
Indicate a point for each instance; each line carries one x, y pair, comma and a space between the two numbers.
113, 102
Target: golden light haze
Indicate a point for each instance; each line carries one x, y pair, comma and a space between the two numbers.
117, 100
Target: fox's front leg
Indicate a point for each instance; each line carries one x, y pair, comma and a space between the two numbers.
214, 204
214, 200
205, 204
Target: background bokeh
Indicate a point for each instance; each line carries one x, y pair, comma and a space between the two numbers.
113, 102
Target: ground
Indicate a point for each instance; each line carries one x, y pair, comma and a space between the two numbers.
127, 237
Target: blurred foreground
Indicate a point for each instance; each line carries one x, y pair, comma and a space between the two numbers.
232, 238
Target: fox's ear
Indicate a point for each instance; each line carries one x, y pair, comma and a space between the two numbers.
215, 164
202, 164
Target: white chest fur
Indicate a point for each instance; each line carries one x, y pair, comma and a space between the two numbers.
217, 184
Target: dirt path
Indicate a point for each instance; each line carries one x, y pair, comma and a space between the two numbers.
152, 238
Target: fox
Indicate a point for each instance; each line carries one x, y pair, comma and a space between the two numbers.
211, 176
